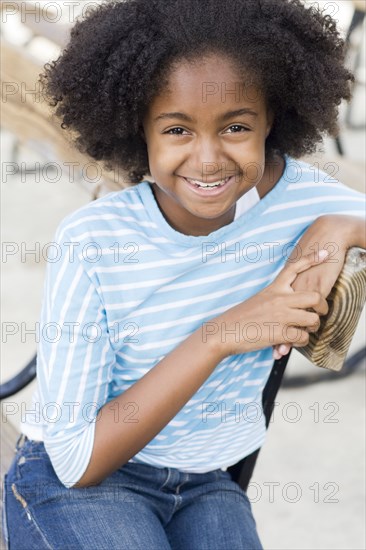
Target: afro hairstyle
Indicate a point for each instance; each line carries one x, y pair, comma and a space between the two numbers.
120, 54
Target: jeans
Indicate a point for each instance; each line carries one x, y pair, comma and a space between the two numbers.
138, 507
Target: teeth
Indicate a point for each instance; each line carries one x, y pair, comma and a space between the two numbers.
208, 185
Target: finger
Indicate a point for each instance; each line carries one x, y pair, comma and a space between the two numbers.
313, 328
310, 301
291, 269
284, 348
280, 350
297, 337
303, 319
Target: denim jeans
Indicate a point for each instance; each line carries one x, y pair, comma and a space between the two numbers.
138, 507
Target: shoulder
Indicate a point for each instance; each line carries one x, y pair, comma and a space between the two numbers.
314, 189
329, 176
107, 212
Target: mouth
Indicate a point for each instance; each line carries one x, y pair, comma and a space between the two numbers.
207, 185
209, 188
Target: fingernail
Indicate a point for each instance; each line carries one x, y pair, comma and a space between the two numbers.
283, 349
323, 254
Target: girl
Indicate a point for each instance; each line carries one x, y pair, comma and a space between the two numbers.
164, 302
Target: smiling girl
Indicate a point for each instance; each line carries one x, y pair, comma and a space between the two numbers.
169, 295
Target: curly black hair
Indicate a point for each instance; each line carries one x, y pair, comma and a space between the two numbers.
119, 57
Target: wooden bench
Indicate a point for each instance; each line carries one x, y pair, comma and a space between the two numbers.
28, 117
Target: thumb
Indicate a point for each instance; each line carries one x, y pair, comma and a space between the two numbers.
292, 268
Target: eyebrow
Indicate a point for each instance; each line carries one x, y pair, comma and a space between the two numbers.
186, 118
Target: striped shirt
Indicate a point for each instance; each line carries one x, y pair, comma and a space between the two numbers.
123, 288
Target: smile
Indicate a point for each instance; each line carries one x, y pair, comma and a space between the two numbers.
209, 189
202, 184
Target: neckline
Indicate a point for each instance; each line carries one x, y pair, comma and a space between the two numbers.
165, 229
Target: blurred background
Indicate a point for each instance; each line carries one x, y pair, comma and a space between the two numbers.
308, 488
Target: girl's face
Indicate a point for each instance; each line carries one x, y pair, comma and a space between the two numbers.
207, 127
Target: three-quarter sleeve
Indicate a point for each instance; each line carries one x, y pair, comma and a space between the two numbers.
74, 361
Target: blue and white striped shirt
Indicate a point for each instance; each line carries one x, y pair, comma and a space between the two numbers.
123, 289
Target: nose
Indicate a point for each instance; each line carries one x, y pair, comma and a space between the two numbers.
207, 160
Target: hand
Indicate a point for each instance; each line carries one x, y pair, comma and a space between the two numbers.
328, 232
280, 314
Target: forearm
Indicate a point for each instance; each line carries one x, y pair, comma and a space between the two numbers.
157, 397
336, 233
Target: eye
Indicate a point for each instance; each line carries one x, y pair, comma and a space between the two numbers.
238, 128
175, 131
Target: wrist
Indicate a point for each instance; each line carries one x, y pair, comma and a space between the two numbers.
210, 334
224, 337
347, 231
213, 336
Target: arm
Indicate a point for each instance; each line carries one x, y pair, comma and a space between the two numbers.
165, 389
337, 233
90, 438
85, 446
159, 395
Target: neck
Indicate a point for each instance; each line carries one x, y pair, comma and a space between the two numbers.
272, 173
